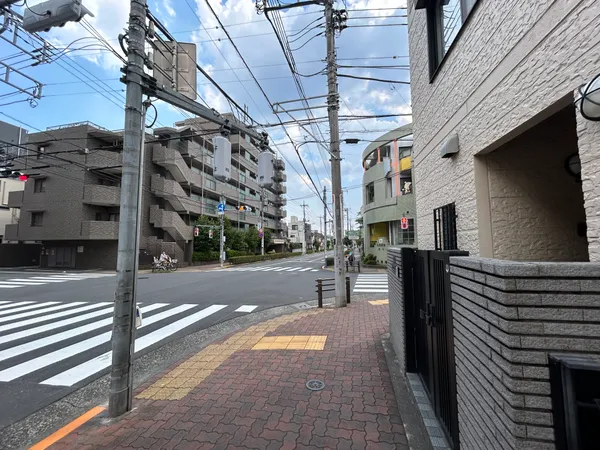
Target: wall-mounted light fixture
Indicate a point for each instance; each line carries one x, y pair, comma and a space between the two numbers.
588, 101
573, 166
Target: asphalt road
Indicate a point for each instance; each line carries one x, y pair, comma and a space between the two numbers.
55, 327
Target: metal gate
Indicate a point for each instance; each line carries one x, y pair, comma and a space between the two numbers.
433, 335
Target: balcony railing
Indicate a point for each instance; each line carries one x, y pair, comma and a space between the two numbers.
15, 199
100, 230
101, 195
11, 231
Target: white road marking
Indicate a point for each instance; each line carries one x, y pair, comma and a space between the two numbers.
279, 269
53, 339
23, 323
89, 368
42, 361
292, 269
38, 311
8, 286
25, 308
305, 269
246, 308
23, 283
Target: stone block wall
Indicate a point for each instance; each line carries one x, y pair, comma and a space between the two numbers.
508, 316
396, 299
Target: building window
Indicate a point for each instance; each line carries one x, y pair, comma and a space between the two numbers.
444, 225
37, 219
242, 178
370, 190
113, 217
39, 185
445, 19
242, 196
98, 217
210, 184
398, 236
388, 188
295, 227
384, 152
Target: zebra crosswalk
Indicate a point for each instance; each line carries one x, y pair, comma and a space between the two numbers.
282, 269
39, 279
63, 344
371, 282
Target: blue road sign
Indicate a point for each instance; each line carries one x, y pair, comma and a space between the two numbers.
221, 208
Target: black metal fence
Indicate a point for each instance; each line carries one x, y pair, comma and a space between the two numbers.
429, 331
328, 285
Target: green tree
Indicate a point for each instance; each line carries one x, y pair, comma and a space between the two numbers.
347, 241
268, 238
202, 242
252, 239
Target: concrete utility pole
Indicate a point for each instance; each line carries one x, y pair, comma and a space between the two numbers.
123, 334
334, 136
347, 219
304, 241
222, 233
325, 223
262, 219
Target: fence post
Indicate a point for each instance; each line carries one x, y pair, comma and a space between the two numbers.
346, 266
347, 289
320, 292
358, 262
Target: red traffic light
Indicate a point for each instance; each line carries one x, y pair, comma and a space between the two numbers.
196, 231
23, 177
404, 223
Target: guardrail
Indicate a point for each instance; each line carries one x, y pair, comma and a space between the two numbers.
330, 284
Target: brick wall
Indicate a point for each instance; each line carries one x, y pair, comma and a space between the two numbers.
508, 316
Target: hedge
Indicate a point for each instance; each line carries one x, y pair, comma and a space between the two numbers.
256, 258
329, 261
205, 256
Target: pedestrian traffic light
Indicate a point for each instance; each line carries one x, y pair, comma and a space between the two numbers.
196, 231
404, 223
210, 233
53, 13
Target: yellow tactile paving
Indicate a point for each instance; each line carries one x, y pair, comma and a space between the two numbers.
291, 343
177, 383
379, 302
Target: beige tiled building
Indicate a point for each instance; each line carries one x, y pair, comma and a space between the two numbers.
499, 79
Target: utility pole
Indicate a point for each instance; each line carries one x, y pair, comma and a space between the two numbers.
262, 220
347, 219
304, 242
222, 233
325, 223
123, 333
334, 136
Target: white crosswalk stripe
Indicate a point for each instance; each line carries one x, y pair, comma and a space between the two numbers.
371, 282
72, 343
39, 279
268, 269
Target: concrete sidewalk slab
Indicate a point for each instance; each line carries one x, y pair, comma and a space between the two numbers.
235, 394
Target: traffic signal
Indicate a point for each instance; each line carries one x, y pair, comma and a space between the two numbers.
5, 173
196, 231
404, 223
245, 208
53, 13
210, 233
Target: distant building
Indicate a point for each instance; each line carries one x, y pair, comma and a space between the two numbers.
388, 193
299, 232
12, 139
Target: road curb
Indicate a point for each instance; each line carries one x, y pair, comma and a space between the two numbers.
69, 406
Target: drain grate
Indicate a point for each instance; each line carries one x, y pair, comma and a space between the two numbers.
315, 385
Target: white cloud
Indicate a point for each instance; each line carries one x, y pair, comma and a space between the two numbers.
169, 8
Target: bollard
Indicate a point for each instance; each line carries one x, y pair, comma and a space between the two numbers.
346, 266
347, 289
358, 265
320, 292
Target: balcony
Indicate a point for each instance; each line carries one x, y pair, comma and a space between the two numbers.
279, 188
108, 161
279, 164
175, 194
245, 162
282, 213
279, 201
99, 230
237, 141
279, 176
11, 232
172, 223
101, 195
15, 199
172, 160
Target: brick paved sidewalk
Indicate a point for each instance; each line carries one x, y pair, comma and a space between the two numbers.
248, 391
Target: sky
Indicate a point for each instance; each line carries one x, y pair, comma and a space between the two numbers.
373, 38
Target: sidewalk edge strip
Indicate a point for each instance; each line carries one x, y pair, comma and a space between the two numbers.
64, 431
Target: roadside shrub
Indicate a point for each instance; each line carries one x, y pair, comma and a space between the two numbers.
329, 261
235, 254
205, 256
369, 260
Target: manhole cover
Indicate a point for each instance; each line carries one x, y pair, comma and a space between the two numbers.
315, 385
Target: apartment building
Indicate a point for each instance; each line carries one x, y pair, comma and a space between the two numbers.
503, 343
71, 205
388, 193
299, 232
